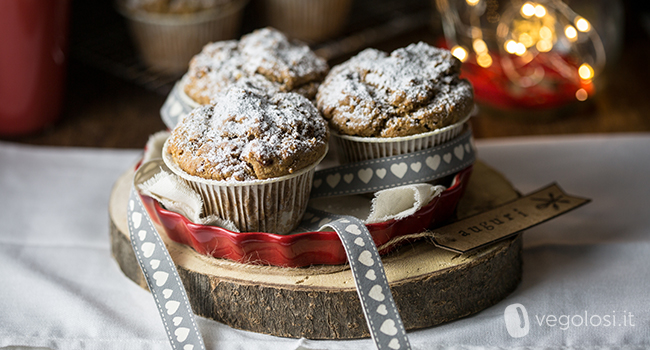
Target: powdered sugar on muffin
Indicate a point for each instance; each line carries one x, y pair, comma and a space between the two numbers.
249, 134
289, 65
413, 90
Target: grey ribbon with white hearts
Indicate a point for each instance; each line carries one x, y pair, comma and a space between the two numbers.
162, 278
174, 107
381, 173
379, 308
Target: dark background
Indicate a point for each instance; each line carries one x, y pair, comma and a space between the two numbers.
113, 101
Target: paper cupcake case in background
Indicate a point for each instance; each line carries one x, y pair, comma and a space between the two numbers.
167, 41
308, 20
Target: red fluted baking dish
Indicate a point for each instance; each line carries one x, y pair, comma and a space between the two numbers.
301, 249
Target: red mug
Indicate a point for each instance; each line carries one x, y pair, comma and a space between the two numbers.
33, 50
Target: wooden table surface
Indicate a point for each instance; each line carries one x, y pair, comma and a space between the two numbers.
101, 110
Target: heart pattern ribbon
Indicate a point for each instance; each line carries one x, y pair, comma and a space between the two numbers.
162, 278
388, 172
175, 107
379, 308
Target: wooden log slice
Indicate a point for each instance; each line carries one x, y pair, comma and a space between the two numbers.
430, 285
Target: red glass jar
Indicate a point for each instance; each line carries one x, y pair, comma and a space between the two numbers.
33, 55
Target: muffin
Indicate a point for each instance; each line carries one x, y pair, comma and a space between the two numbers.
380, 105
289, 65
167, 33
251, 155
265, 56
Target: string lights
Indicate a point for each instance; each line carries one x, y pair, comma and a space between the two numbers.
540, 45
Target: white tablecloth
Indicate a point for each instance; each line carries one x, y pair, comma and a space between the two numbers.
60, 288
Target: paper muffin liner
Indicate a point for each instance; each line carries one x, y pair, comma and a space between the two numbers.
177, 104
311, 21
167, 42
355, 148
273, 205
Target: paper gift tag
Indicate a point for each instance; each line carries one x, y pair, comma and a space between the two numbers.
504, 221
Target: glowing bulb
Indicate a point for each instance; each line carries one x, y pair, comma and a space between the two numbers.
459, 52
582, 24
484, 60
479, 46
546, 33
511, 46
472, 2
570, 32
544, 46
526, 39
581, 94
520, 49
528, 9
540, 11
585, 71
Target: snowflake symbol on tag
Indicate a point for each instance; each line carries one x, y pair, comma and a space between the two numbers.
550, 201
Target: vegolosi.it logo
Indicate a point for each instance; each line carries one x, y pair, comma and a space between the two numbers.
518, 323
516, 318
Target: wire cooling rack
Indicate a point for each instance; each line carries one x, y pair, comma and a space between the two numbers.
100, 38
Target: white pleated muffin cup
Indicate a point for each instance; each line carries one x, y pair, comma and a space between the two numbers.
308, 20
166, 42
352, 149
273, 205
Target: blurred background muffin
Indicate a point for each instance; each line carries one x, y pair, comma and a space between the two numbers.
167, 33
308, 20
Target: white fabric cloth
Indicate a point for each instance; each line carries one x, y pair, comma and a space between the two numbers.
400, 202
179, 197
60, 288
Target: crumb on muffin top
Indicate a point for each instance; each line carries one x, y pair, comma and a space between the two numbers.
413, 90
248, 134
290, 65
